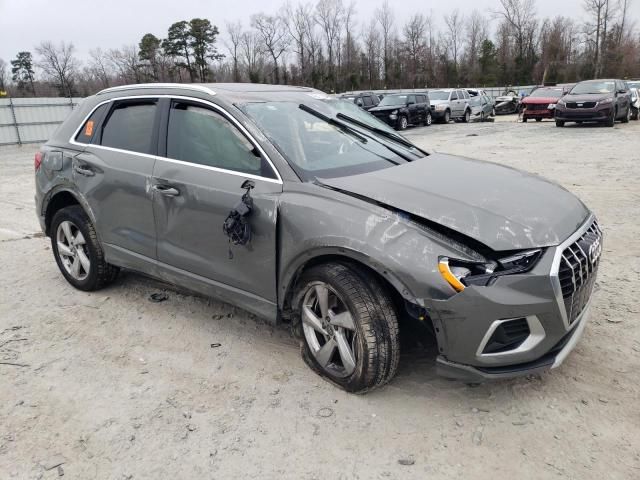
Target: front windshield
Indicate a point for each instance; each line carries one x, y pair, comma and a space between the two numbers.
318, 149
438, 95
585, 88
547, 93
391, 100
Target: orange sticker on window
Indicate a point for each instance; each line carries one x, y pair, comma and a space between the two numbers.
88, 129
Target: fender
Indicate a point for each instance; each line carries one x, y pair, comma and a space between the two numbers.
291, 271
70, 188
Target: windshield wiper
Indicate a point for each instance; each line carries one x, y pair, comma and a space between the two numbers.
342, 126
377, 130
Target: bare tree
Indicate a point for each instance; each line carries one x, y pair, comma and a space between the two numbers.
454, 23
296, 21
373, 50
126, 62
59, 64
414, 33
329, 16
251, 54
273, 34
520, 17
384, 16
98, 66
235, 38
477, 30
4, 75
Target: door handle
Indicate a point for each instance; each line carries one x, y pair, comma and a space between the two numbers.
166, 190
84, 170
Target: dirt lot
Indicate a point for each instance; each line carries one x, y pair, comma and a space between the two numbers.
110, 385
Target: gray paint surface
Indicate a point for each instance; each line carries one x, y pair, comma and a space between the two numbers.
180, 239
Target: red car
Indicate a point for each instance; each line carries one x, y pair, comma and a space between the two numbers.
541, 103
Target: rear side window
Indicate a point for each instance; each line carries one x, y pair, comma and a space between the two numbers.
200, 135
88, 131
130, 126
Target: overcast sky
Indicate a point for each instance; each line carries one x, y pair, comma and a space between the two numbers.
113, 23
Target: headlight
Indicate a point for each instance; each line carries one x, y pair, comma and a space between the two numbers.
606, 101
561, 103
441, 107
462, 273
393, 115
551, 106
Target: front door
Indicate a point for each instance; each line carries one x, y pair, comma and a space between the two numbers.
197, 183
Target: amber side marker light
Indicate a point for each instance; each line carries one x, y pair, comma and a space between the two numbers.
445, 271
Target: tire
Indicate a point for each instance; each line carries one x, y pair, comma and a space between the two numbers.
429, 120
612, 119
538, 119
403, 123
467, 116
84, 266
481, 117
524, 119
447, 116
493, 112
373, 339
634, 113
627, 116
559, 123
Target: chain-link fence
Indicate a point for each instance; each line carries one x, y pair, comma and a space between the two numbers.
32, 120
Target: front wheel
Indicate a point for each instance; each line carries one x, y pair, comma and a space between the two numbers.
467, 116
612, 118
627, 116
538, 119
77, 251
634, 113
349, 326
402, 123
429, 120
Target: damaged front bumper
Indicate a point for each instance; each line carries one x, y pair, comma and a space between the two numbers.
524, 323
552, 359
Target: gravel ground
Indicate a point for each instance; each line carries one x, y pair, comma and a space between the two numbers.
110, 385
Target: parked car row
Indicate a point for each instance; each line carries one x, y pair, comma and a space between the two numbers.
400, 110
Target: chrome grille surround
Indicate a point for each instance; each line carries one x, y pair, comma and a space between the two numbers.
574, 270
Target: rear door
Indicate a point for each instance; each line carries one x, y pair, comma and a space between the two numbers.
455, 105
114, 170
197, 181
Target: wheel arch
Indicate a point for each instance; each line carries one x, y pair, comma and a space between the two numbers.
397, 288
60, 198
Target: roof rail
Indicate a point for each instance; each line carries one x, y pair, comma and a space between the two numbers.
181, 86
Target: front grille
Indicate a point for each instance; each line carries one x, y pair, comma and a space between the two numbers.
508, 336
581, 104
533, 108
578, 270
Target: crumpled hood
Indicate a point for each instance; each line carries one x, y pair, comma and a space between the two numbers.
501, 207
539, 100
387, 108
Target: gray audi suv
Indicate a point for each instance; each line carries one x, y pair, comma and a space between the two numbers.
305, 209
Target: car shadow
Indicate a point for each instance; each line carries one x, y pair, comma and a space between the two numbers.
416, 374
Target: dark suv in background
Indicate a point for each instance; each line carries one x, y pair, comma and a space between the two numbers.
603, 101
365, 100
400, 110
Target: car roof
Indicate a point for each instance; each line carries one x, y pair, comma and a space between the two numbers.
230, 92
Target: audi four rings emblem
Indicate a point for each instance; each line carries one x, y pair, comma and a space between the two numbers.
595, 249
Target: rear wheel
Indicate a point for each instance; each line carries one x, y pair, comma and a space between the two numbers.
447, 117
627, 116
402, 123
559, 123
482, 116
349, 326
77, 251
524, 119
634, 113
467, 116
538, 119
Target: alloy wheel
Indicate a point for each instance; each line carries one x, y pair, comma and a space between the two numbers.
429, 119
72, 250
329, 330
403, 123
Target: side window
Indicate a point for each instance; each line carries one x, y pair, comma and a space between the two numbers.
88, 130
454, 96
200, 135
130, 126
411, 99
375, 99
422, 99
